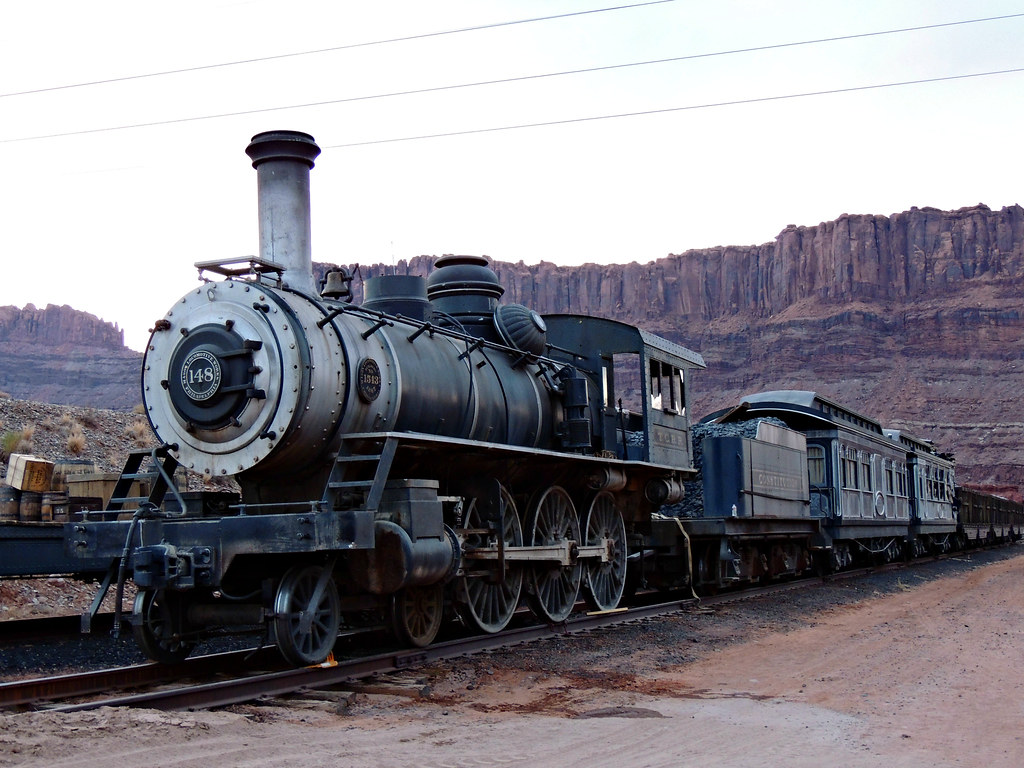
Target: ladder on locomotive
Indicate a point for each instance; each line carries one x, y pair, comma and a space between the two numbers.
358, 472
156, 474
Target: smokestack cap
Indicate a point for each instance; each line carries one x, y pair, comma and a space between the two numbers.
282, 145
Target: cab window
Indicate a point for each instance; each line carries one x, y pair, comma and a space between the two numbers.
666, 388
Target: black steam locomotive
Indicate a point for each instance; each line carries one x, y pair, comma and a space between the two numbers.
425, 443
431, 448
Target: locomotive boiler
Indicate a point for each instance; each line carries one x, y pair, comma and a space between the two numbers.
429, 447
263, 380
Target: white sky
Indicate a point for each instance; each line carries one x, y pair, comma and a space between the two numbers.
111, 221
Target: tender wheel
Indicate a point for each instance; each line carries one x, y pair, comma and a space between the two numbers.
553, 588
487, 599
605, 581
416, 614
307, 615
158, 624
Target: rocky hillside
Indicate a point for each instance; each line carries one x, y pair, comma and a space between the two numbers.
915, 318
62, 432
61, 355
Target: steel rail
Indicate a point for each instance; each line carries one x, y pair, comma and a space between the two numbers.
235, 691
17, 693
276, 683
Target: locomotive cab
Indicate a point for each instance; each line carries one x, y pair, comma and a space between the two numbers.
641, 411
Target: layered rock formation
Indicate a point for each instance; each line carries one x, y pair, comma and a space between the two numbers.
914, 318
60, 355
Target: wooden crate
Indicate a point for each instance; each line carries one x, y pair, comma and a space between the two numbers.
29, 473
101, 485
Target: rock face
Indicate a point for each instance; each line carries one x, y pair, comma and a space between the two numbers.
916, 319
60, 355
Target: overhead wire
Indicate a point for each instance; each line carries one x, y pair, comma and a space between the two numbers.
332, 49
522, 78
735, 102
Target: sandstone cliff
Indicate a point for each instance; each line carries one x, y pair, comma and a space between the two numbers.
60, 355
914, 318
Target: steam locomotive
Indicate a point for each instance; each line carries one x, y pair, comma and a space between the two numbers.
426, 442
432, 449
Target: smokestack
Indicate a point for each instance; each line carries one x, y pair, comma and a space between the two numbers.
282, 160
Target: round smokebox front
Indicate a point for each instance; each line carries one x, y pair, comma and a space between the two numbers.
222, 376
210, 377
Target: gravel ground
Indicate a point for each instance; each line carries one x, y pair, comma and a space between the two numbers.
914, 668
666, 641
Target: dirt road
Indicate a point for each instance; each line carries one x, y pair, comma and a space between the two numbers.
926, 675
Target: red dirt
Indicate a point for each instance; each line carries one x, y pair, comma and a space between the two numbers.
925, 677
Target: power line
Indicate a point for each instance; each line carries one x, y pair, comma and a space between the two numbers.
349, 46
502, 81
710, 105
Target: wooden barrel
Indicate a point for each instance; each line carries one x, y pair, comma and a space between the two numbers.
64, 467
10, 500
55, 505
31, 506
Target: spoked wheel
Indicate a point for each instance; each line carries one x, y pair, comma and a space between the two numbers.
553, 587
307, 614
488, 598
605, 581
158, 624
416, 614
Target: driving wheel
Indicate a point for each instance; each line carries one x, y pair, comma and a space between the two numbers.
488, 595
553, 587
606, 579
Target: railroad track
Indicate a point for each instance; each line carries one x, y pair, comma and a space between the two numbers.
234, 677
16, 631
245, 686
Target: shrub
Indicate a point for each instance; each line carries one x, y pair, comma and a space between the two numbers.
139, 432
9, 441
76, 439
17, 441
76, 443
88, 419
